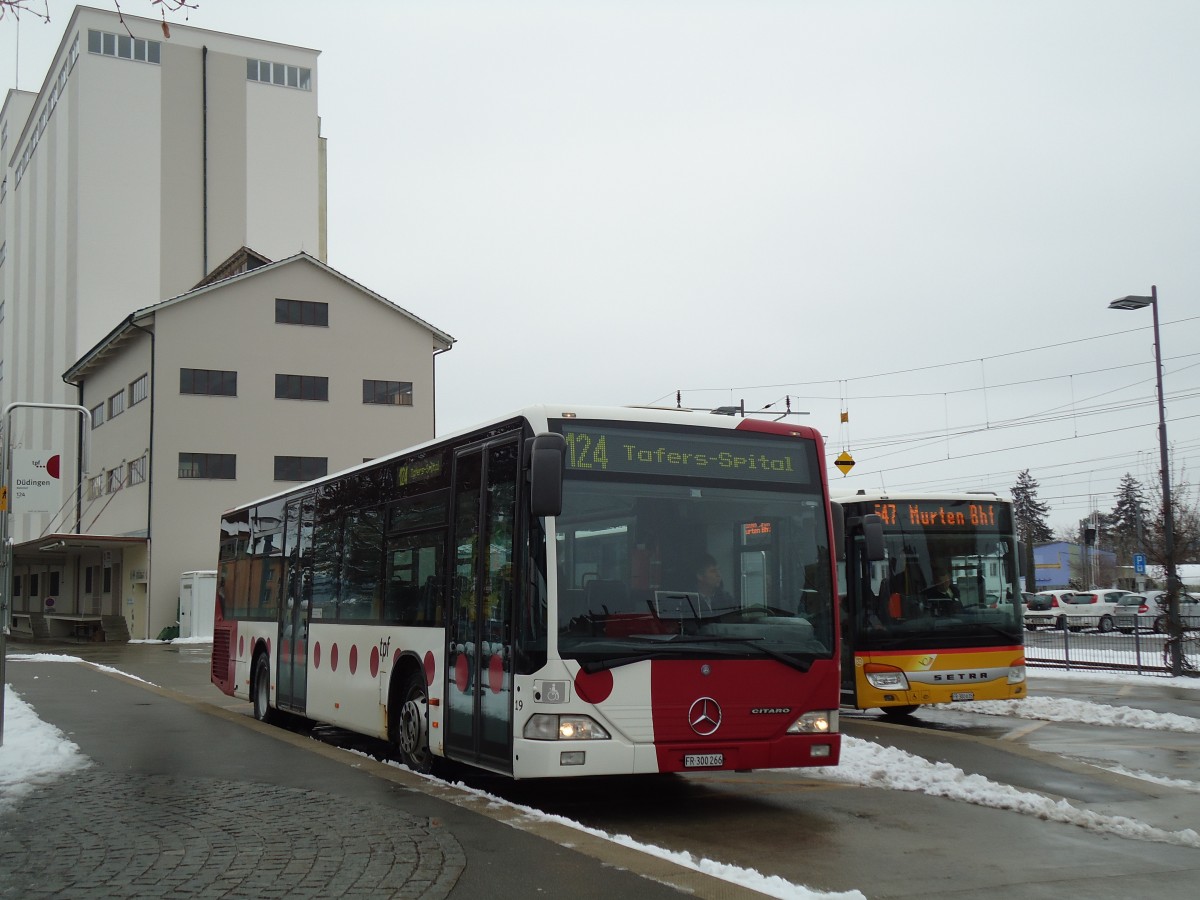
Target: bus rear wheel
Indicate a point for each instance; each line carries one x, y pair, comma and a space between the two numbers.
410, 725
261, 688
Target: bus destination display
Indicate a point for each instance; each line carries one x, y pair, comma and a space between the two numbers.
938, 514
599, 448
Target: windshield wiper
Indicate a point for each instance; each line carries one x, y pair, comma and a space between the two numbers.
757, 643
787, 659
600, 665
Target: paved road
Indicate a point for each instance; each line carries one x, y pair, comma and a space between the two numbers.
198, 779
186, 797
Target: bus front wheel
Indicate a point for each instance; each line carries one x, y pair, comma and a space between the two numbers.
410, 727
899, 712
261, 693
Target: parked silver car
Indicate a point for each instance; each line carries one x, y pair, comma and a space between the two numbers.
1148, 612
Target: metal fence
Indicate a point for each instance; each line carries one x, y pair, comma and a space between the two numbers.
1084, 646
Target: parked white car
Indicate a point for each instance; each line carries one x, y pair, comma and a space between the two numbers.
1092, 609
1044, 609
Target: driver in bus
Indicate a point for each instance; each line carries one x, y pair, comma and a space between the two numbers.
941, 595
709, 585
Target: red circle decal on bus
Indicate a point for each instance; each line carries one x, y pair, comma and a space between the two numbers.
430, 667
496, 673
333, 654
594, 688
462, 672
374, 661
316, 655
353, 658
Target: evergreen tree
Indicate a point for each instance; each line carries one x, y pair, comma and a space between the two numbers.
1128, 520
1030, 515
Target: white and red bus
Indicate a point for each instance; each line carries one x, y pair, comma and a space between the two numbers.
539, 596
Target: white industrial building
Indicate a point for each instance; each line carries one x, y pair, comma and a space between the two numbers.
135, 183
140, 164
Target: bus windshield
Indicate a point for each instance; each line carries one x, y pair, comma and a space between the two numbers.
648, 569
941, 585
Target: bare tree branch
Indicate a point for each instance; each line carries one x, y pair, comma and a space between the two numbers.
40, 9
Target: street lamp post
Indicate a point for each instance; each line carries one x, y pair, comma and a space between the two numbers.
1174, 623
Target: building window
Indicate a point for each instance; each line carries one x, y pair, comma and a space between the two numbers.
88, 580
137, 471
301, 312
33, 585
207, 465
55, 580
107, 589
208, 381
389, 393
301, 387
139, 390
279, 73
116, 404
114, 480
123, 46
300, 468
17, 586
95, 487
98, 415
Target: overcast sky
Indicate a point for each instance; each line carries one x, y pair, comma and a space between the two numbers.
915, 211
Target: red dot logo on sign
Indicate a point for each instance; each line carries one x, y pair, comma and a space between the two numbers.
52, 466
353, 658
374, 661
316, 655
333, 658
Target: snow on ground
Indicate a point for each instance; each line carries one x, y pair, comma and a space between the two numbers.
1064, 709
872, 765
34, 752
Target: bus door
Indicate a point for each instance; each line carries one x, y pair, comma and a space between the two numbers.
479, 630
291, 685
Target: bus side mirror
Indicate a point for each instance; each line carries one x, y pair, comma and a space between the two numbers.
872, 529
547, 453
839, 530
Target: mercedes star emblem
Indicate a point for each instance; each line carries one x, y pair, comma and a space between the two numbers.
705, 716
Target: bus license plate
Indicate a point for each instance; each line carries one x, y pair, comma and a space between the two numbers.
962, 695
703, 760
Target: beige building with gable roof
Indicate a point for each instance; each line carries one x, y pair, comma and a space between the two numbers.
279, 374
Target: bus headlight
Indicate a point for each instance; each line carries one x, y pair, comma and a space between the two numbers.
819, 721
544, 727
886, 678
1016, 674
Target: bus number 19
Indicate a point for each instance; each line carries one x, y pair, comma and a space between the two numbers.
586, 453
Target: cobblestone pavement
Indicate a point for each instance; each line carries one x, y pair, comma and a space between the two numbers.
180, 836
